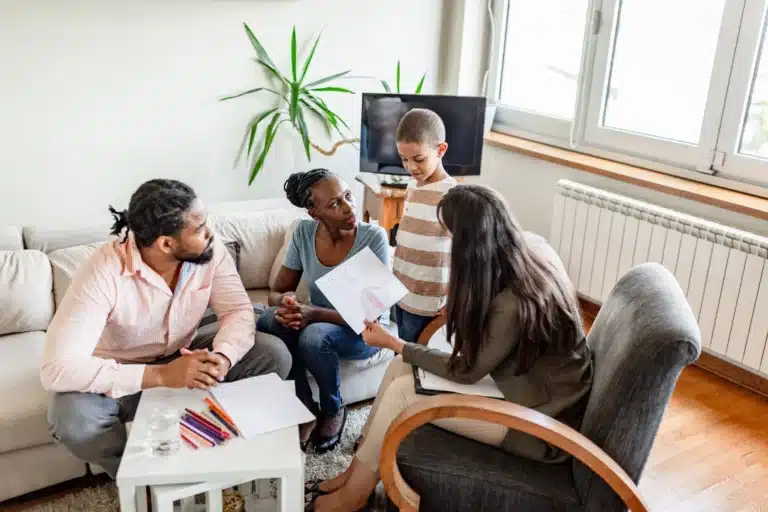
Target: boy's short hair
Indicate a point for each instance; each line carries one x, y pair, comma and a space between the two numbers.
421, 125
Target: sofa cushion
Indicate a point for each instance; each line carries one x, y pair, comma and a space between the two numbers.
26, 303
10, 239
23, 420
260, 235
65, 264
52, 239
302, 291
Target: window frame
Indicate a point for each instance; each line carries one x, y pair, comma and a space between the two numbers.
514, 120
697, 157
714, 160
752, 41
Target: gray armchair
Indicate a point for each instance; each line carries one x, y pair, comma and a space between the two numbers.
643, 337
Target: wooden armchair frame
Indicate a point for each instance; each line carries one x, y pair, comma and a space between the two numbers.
504, 413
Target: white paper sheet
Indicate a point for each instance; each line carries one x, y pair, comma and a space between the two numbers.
261, 404
484, 387
361, 288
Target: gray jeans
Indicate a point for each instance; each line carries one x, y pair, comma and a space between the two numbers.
92, 426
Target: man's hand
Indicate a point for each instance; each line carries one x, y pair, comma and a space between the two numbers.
223, 364
200, 369
292, 313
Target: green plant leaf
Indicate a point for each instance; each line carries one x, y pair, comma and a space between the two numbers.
319, 114
421, 83
327, 79
304, 133
397, 80
294, 104
332, 117
255, 125
249, 92
309, 58
269, 136
333, 89
386, 86
274, 71
260, 50
293, 53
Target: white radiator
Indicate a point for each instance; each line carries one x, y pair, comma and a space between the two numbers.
723, 271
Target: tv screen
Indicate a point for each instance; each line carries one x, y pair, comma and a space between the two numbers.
463, 116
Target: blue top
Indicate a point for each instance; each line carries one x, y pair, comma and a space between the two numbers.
301, 254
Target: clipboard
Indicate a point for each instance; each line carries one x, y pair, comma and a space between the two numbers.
484, 387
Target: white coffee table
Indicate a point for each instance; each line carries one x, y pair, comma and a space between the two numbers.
272, 455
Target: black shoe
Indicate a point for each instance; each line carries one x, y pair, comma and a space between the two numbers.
327, 441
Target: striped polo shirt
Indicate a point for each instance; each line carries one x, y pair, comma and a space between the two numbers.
422, 257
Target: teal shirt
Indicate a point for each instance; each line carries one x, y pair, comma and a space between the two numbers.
301, 255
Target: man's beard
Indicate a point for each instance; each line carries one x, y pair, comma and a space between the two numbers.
198, 259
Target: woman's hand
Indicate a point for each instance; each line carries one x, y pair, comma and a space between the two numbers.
292, 313
377, 336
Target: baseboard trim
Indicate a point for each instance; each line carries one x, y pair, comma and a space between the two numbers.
706, 361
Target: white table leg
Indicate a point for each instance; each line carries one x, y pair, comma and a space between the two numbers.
213, 501
188, 504
292, 493
141, 499
128, 496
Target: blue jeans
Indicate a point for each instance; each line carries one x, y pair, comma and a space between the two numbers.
317, 348
409, 326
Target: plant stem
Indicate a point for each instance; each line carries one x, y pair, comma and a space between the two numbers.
335, 147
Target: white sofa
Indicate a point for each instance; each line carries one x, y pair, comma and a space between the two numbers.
36, 267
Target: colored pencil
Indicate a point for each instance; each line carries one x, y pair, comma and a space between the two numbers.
222, 415
211, 418
213, 434
225, 422
193, 435
189, 442
208, 423
214, 404
199, 433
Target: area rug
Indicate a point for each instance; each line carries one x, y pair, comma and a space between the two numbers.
103, 498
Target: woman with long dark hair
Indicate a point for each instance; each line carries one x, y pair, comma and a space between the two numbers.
512, 313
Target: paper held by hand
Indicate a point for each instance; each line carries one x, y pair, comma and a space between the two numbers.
361, 288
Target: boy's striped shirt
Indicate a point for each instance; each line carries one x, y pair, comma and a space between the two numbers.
422, 257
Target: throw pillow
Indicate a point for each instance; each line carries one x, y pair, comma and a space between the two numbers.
234, 250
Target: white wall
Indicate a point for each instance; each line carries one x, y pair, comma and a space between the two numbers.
529, 185
97, 96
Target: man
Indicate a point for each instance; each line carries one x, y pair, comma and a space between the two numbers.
129, 322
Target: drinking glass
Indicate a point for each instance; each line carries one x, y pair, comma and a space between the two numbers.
163, 431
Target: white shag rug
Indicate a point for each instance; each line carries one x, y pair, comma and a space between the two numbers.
104, 498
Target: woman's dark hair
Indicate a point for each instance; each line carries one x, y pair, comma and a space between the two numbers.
298, 186
157, 208
490, 255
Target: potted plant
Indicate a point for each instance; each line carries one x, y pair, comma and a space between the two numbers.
397, 82
297, 97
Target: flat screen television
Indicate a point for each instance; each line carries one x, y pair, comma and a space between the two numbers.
464, 118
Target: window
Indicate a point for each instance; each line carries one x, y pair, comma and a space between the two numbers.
680, 83
540, 67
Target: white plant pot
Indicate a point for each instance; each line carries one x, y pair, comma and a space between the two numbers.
490, 113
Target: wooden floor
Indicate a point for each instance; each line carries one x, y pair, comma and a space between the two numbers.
711, 453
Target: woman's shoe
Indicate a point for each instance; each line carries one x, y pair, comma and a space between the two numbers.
308, 431
329, 433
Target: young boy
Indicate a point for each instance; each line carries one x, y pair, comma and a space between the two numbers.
422, 257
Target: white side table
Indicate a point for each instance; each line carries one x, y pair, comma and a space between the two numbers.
272, 455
